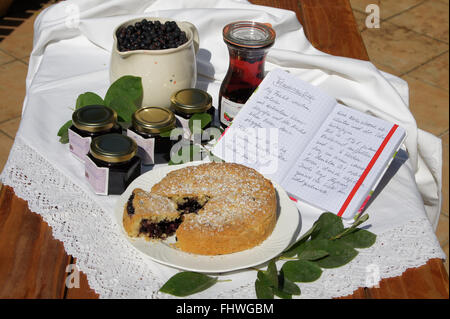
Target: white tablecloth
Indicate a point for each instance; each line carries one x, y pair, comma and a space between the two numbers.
71, 54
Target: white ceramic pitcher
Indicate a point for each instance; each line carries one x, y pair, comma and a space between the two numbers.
163, 72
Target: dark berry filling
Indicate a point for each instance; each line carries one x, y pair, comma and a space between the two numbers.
150, 35
190, 205
130, 208
162, 229
165, 228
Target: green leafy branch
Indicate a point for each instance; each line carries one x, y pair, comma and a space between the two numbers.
123, 96
326, 245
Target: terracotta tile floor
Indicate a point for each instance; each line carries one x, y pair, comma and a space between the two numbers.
412, 43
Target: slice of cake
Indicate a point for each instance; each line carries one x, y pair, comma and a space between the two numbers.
150, 215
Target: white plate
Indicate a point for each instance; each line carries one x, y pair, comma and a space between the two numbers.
284, 233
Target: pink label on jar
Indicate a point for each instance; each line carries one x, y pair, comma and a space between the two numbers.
146, 147
98, 177
78, 145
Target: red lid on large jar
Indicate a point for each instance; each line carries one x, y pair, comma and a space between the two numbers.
249, 34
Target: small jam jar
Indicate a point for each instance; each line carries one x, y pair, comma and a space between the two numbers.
185, 103
111, 164
89, 122
150, 129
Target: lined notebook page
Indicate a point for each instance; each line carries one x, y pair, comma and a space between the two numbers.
275, 125
332, 164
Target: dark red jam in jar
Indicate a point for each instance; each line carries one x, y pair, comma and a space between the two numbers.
89, 122
150, 129
188, 102
111, 164
247, 43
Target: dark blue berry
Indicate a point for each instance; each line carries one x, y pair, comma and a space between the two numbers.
149, 35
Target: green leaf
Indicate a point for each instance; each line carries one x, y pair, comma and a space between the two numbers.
294, 248
263, 278
286, 286
281, 286
312, 254
129, 87
329, 225
63, 132
176, 133
301, 271
361, 219
203, 118
360, 238
165, 134
263, 291
124, 107
187, 283
339, 252
88, 98
270, 276
64, 128
64, 139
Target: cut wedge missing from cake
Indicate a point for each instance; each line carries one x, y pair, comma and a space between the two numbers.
213, 208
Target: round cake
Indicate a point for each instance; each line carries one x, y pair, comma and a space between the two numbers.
221, 208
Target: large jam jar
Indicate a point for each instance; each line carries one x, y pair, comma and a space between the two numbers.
248, 43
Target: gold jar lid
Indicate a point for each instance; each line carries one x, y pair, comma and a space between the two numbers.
190, 101
153, 119
94, 118
113, 148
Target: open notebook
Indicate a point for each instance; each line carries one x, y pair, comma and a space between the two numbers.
319, 151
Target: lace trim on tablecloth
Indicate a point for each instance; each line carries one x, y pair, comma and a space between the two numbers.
115, 269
